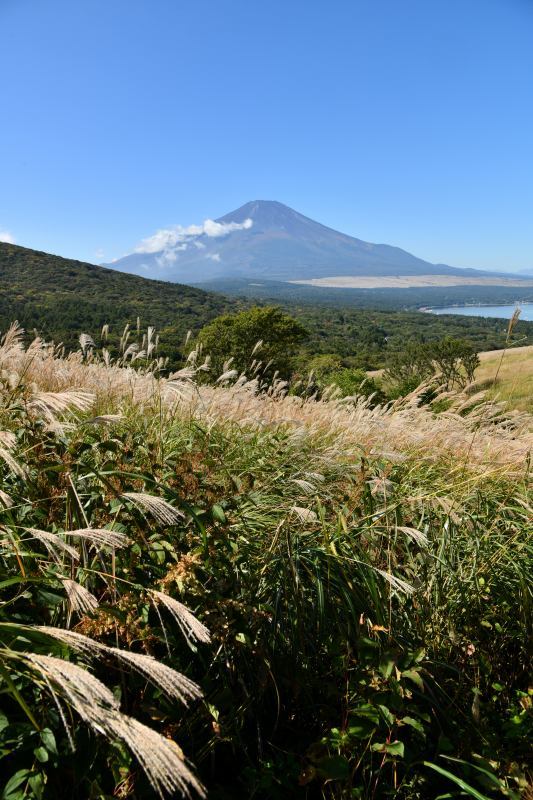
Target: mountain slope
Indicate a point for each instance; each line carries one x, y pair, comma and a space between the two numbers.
61, 298
279, 244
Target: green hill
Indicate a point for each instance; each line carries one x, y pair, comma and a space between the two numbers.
61, 298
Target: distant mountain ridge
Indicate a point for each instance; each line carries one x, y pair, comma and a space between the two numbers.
266, 239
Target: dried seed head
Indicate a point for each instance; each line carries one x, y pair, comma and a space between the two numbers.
189, 625
304, 514
162, 511
80, 599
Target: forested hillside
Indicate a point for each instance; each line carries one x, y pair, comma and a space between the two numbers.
62, 298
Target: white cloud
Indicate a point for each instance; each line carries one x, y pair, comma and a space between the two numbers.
167, 242
7, 237
213, 256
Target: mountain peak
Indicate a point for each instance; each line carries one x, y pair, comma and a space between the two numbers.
261, 212
280, 244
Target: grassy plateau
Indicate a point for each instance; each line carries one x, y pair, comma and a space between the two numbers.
218, 588
514, 382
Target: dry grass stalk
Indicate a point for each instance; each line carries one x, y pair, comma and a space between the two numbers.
159, 508
80, 599
161, 759
191, 627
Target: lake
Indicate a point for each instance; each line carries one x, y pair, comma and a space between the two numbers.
504, 312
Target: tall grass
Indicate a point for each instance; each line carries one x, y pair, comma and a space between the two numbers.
347, 586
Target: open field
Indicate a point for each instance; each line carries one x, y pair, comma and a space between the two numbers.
514, 369
410, 281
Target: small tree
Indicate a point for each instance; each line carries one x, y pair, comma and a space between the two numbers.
454, 360
259, 334
408, 368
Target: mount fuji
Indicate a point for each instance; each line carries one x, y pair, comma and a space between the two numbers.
264, 239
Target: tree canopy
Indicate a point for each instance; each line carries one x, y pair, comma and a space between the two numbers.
265, 335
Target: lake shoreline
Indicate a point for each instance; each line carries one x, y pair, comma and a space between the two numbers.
481, 310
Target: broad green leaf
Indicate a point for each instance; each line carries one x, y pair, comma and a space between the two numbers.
458, 781
414, 723
392, 748
41, 754
414, 676
12, 790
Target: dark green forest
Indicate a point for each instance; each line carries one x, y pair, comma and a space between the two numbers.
61, 298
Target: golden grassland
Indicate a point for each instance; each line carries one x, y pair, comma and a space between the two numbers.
506, 376
514, 382
410, 281
469, 428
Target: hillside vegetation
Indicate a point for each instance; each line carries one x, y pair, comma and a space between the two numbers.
301, 598
62, 298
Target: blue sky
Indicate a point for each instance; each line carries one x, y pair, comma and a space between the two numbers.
409, 122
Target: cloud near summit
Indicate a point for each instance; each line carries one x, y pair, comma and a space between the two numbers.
170, 240
8, 238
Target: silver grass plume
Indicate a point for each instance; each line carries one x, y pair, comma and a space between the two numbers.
306, 486
162, 511
191, 628
13, 336
417, 536
172, 683
5, 499
150, 341
50, 403
101, 537
8, 439
86, 343
227, 375
304, 514
397, 583
54, 544
130, 350
80, 599
11, 462
161, 759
